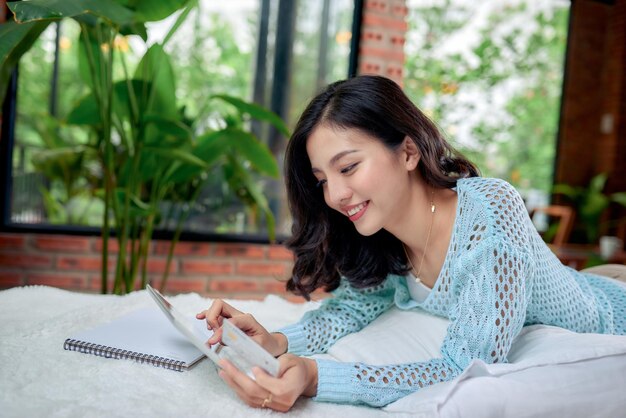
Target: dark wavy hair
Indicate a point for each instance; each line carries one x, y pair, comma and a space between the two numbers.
325, 243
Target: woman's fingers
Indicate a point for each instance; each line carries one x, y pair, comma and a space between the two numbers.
266, 392
247, 324
290, 384
216, 312
246, 388
216, 337
238, 377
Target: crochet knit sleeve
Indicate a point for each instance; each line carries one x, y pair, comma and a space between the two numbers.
348, 311
489, 314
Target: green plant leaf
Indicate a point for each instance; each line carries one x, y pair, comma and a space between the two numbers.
85, 112
169, 127
593, 206
249, 147
209, 148
137, 208
255, 111
156, 68
596, 185
15, 40
38, 10
619, 197
123, 91
151, 11
179, 21
135, 28
178, 154
566, 189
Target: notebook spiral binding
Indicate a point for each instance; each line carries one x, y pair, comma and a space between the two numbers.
116, 353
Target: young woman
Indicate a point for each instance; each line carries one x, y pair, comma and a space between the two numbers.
386, 213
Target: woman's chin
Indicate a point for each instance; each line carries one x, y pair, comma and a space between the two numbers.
365, 230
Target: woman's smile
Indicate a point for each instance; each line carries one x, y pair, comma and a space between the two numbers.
355, 212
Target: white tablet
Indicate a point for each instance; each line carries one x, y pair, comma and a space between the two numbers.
239, 348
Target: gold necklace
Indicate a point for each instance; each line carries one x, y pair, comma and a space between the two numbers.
430, 228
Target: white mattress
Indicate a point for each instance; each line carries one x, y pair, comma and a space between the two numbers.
552, 373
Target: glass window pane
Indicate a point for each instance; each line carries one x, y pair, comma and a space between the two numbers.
57, 177
490, 73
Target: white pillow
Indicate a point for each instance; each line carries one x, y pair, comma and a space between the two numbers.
396, 336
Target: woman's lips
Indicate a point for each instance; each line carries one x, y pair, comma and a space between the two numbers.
356, 212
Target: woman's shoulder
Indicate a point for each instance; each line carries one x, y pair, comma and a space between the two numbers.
492, 204
487, 186
493, 193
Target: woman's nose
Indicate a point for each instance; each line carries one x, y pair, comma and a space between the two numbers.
338, 192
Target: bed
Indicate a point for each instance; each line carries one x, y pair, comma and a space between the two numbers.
552, 372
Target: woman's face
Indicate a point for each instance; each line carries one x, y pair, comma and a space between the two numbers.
361, 178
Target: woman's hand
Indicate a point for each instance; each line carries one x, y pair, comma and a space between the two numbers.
297, 376
275, 343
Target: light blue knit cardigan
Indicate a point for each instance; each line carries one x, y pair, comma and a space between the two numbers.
498, 276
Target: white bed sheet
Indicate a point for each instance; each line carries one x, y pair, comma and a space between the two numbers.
554, 372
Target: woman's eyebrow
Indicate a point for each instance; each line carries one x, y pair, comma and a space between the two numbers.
336, 158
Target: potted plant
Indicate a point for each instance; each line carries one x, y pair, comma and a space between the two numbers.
145, 146
590, 202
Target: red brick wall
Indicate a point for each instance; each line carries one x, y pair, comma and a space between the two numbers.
249, 271
383, 33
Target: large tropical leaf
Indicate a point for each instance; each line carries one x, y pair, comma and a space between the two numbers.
156, 68
127, 99
85, 112
255, 111
165, 129
15, 40
253, 150
209, 148
151, 10
40, 10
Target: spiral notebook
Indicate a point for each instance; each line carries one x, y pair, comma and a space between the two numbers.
145, 336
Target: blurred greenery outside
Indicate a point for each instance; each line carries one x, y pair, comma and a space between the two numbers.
213, 54
490, 74
498, 101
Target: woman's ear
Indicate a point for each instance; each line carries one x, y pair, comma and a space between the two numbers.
410, 154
